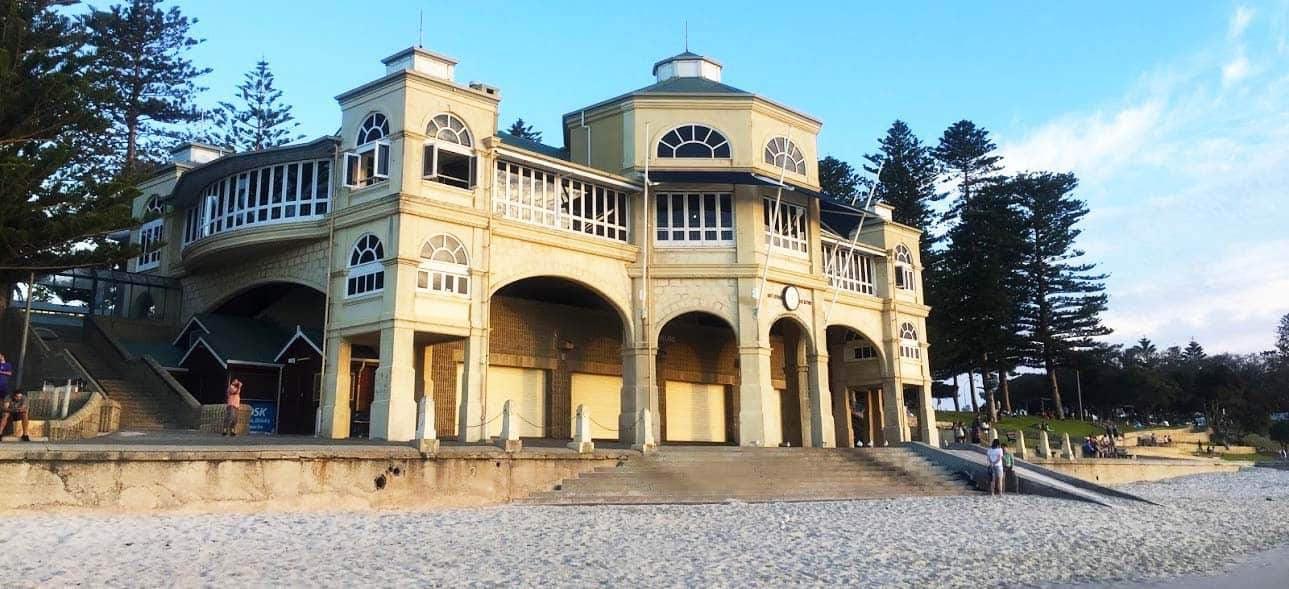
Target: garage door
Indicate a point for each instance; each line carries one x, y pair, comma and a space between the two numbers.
602, 396
525, 388
695, 412
774, 418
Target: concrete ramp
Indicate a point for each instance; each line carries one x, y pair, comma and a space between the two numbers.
1034, 480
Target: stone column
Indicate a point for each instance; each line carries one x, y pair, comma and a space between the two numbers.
393, 409
843, 429
799, 373
334, 422
639, 391
1044, 446
926, 416
754, 384
895, 426
470, 414
822, 434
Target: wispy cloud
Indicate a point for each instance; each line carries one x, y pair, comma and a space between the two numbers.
1187, 175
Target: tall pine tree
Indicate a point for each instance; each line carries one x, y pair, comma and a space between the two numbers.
1065, 298
260, 119
967, 156
908, 179
139, 57
523, 130
57, 203
838, 180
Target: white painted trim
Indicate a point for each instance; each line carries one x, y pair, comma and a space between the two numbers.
587, 176
191, 320
299, 333
209, 349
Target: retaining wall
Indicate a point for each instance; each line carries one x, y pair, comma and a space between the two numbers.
1116, 471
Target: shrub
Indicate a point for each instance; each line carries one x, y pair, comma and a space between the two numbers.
1262, 443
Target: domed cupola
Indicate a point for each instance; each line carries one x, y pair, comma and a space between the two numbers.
687, 65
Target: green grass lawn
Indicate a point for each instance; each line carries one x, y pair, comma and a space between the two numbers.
1029, 424
1259, 457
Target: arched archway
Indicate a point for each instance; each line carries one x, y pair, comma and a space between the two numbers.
698, 380
145, 307
554, 344
790, 349
856, 370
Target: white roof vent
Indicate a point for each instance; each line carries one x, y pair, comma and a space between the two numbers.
197, 153
420, 60
687, 65
883, 210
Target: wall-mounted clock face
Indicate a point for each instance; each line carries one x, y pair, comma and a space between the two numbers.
791, 298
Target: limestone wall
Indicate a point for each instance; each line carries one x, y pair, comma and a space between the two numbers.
1110, 471
305, 264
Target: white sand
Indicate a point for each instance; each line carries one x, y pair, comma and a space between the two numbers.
1209, 522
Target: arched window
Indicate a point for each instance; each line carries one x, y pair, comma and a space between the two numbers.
783, 153
368, 163
909, 347
374, 128
694, 141
150, 235
857, 347
904, 277
445, 266
449, 157
366, 272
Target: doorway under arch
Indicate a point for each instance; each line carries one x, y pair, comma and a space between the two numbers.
698, 380
855, 372
790, 348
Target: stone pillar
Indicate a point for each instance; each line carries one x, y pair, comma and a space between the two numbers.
822, 434
844, 430
509, 438
805, 400
1067, 451
427, 438
754, 384
639, 391
334, 410
1021, 451
582, 431
647, 443
895, 427
1044, 447
470, 417
393, 409
926, 416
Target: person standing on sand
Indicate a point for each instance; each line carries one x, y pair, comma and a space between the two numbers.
233, 399
995, 457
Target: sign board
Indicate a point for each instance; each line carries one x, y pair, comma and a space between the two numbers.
263, 416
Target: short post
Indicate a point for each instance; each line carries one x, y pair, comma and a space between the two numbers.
1067, 451
1021, 451
645, 442
67, 400
427, 438
582, 431
509, 439
993, 435
1044, 447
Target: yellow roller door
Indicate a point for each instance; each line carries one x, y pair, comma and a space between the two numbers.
526, 387
602, 396
695, 412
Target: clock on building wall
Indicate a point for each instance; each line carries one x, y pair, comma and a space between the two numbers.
791, 298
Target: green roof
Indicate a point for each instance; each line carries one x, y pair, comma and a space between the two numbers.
533, 146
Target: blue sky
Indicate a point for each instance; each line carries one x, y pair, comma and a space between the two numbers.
1175, 115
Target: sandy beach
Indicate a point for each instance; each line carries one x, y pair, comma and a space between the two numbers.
1205, 525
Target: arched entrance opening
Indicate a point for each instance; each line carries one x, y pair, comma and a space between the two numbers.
554, 344
269, 337
855, 380
698, 380
789, 423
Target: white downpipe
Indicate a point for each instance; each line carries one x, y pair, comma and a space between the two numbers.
646, 244
326, 319
854, 239
759, 293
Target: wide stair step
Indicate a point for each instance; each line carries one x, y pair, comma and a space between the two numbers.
141, 407
752, 475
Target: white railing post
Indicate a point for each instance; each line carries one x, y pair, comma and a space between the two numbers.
427, 438
644, 433
1067, 451
1021, 451
1044, 446
509, 439
582, 431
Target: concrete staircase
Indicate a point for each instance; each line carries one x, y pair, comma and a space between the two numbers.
141, 407
714, 475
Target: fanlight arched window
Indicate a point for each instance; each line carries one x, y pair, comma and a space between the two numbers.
783, 153
449, 154
693, 141
909, 347
904, 276
857, 347
150, 235
366, 272
368, 163
445, 266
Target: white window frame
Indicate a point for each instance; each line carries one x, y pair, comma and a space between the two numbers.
372, 271
149, 236
791, 233
378, 151
431, 169
712, 147
450, 278
540, 197
229, 204
910, 348
905, 278
665, 234
780, 151
848, 268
